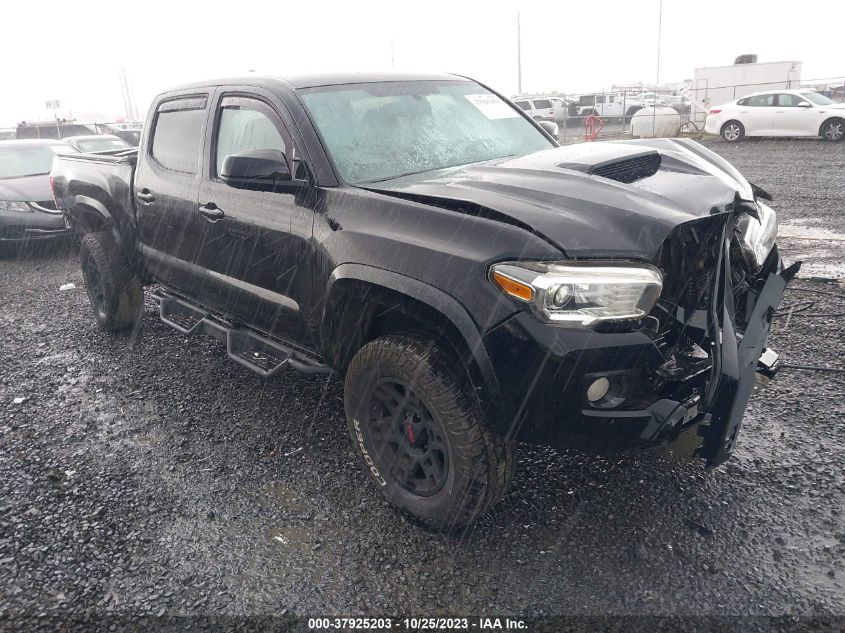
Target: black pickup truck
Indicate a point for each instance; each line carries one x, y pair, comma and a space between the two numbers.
477, 284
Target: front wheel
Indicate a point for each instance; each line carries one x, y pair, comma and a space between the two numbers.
733, 131
416, 423
833, 130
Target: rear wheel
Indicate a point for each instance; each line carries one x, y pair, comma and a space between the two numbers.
833, 130
114, 291
733, 131
416, 423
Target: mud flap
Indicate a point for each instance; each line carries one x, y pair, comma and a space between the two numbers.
736, 365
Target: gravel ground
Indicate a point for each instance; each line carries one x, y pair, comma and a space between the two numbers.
149, 476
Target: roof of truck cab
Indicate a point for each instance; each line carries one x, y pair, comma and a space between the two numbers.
312, 81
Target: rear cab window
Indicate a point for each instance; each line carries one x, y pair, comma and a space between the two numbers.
177, 134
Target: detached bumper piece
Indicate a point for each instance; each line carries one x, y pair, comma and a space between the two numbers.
735, 364
736, 357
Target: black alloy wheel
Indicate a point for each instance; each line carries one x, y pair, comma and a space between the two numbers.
408, 438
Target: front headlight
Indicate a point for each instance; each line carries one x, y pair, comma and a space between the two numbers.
8, 205
757, 237
580, 294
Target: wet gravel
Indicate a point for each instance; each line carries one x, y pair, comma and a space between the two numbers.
147, 476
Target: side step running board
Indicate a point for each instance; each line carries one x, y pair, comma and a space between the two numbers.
264, 356
179, 315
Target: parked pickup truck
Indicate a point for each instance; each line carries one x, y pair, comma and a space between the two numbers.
476, 284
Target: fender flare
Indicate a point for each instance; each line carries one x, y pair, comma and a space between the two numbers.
89, 215
452, 310
84, 208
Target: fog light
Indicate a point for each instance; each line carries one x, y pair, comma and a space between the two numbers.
598, 389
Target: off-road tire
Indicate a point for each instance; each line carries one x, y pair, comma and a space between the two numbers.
115, 292
733, 131
481, 464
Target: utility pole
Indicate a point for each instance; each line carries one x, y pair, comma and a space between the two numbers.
53, 104
659, 33
392, 58
130, 110
519, 55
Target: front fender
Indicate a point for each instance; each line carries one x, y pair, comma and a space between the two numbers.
497, 411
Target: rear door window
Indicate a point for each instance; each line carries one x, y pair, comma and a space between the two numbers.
542, 104
761, 101
523, 104
177, 134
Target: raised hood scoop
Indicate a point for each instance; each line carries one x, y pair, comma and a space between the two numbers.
627, 166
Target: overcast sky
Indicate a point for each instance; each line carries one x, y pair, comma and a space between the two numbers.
72, 50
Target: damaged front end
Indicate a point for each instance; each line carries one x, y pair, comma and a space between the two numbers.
723, 280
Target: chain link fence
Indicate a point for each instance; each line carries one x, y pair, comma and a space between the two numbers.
616, 108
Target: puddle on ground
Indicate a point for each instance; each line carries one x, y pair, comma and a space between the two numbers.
277, 495
821, 250
807, 232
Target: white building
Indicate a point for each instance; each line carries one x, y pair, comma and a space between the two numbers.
715, 85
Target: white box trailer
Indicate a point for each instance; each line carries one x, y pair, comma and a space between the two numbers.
714, 85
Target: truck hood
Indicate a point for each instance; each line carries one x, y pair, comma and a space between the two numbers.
26, 189
558, 194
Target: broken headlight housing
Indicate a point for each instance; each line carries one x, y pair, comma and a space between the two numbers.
580, 294
757, 237
10, 205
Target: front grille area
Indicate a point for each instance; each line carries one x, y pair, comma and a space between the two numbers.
688, 261
630, 169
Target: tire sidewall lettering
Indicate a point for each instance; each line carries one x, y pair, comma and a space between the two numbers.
367, 457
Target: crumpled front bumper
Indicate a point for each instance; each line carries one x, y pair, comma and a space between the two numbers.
695, 410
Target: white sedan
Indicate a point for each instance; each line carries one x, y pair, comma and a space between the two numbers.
778, 113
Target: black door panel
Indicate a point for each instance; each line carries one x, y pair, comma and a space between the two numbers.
166, 186
258, 245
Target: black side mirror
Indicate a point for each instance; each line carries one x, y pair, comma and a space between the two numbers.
259, 169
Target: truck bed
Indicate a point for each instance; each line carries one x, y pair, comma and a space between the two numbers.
95, 192
112, 157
